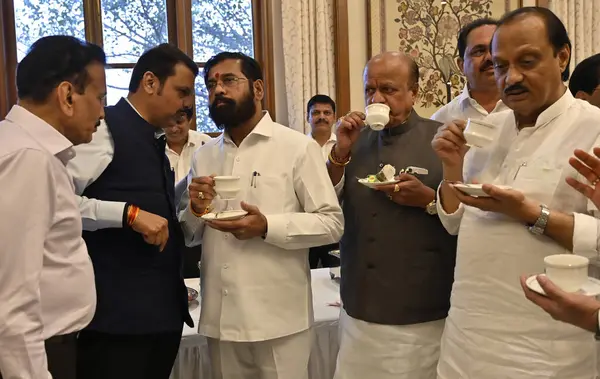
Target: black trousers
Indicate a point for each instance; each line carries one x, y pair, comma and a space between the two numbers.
61, 352
110, 356
321, 254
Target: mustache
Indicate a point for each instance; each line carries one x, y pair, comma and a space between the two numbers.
515, 88
321, 120
223, 99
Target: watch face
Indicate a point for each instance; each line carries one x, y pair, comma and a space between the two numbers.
431, 209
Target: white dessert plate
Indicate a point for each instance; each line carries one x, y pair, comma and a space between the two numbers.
365, 182
225, 215
475, 189
589, 288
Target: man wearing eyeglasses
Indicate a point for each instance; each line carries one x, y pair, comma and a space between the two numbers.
585, 81
256, 287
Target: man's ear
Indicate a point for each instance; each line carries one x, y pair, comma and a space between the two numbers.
64, 93
582, 95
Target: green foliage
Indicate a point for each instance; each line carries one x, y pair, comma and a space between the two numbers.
133, 26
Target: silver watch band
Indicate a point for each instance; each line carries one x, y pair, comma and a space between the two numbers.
540, 224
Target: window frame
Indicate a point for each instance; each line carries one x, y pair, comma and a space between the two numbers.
179, 21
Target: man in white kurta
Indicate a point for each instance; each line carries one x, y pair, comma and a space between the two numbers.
256, 293
480, 96
492, 331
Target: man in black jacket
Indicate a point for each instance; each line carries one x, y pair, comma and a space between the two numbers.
127, 205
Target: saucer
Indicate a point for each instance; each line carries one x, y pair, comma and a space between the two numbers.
590, 288
225, 215
476, 189
365, 182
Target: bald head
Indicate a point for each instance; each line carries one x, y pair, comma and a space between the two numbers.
392, 78
394, 61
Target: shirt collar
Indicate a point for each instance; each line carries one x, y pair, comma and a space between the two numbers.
158, 133
42, 132
464, 95
556, 109
332, 137
263, 128
409, 123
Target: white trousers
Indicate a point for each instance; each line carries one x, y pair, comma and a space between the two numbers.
375, 351
280, 358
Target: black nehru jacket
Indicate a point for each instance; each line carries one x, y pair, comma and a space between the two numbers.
140, 289
397, 261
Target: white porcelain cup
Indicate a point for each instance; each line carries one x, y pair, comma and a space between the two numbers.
227, 187
568, 271
377, 116
479, 133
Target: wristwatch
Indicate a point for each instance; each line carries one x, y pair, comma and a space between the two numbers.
540, 224
431, 208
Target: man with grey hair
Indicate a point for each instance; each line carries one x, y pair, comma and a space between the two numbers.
397, 259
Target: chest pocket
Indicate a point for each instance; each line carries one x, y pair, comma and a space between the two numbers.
538, 181
268, 193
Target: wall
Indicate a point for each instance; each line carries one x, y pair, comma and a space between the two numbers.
281, 113
357, 37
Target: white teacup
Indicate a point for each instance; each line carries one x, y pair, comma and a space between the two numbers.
227, 187
479, 133
377, 116
568, 271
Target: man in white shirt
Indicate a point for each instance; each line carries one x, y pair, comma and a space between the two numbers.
127, 201
492, 331
320, 114
181, 144
585, 81
256, 293
480, 96
47, 290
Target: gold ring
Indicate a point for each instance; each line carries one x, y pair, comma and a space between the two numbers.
201, 195
396, 188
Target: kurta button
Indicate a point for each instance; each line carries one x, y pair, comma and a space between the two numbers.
381, 165
237, 159
225, 266
374, 214
225, 292
371, 239
370, 266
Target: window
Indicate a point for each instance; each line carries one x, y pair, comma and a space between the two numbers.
126, 28
218, 26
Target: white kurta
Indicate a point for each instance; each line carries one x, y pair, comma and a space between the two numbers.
259, 289
492, 331
463, 107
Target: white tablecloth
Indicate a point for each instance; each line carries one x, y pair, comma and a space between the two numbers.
192, 360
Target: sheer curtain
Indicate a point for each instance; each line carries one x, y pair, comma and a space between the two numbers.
582, 20
308, 48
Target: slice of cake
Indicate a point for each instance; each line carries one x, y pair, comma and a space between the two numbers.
386, 174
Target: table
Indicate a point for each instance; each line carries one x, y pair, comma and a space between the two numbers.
192, 361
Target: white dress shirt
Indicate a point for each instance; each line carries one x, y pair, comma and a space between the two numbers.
46, 276
326, 148
180, 163
463, 107
92, 159
259, 289
488, 308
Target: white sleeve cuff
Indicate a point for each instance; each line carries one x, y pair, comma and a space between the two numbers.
277, 230
585, 235
191, 226
339, 187
110, 214
450, 221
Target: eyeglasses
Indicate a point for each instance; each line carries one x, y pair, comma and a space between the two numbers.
226, 82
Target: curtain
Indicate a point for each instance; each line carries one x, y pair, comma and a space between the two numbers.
582, 20
308, 48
